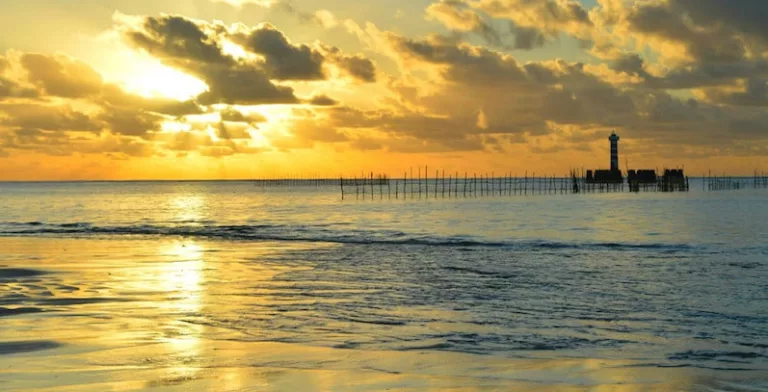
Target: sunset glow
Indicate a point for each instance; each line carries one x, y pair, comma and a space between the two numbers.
383, 88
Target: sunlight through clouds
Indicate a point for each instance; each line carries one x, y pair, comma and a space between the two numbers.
240, 3
478, 78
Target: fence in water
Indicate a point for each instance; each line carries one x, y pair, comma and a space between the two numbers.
442, 184
727, 183
466, 185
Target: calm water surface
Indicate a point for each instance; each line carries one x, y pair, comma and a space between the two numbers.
229, 286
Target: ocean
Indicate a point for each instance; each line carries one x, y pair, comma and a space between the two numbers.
231, 286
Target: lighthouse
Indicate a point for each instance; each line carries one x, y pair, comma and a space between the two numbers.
614, 138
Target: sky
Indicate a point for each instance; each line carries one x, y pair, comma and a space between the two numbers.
235, 89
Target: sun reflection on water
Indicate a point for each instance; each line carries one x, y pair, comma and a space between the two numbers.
182, 278
188, 207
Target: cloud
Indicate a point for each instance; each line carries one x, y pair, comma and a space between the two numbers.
62, 76
232, 131
230, 114
456, 15
46, 117
242, 85
196, 48
667, 74
753, 93
323, 100
173, 37
116, 96
11, 89
549, 18
241, 3
284, 60
528, 38
358, 66
131, 122
532, 23
535, 99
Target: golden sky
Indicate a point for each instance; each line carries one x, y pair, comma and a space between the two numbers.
203, 89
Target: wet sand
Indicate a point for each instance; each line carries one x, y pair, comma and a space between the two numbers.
102, 314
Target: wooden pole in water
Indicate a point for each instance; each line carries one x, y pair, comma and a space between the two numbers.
525, 184
450, 184
465, 183
456, 185
405, 185
419, 182
341, 183
437, 181
443, 192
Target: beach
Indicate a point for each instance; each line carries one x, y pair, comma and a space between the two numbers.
227, 288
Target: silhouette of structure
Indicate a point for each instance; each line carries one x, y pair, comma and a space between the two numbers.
612, 176
641, 180
614, 138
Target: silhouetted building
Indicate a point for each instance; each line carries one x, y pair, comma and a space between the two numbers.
614, 138
674, 180
642, 176
612, 176
604, 177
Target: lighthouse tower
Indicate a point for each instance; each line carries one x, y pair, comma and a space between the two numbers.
614, 138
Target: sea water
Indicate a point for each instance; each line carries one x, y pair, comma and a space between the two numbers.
235, 286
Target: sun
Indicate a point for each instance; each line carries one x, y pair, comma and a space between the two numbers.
157, 80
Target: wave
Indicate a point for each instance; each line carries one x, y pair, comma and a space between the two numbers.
312, 233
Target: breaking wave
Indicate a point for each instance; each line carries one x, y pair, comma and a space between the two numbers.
312, 233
